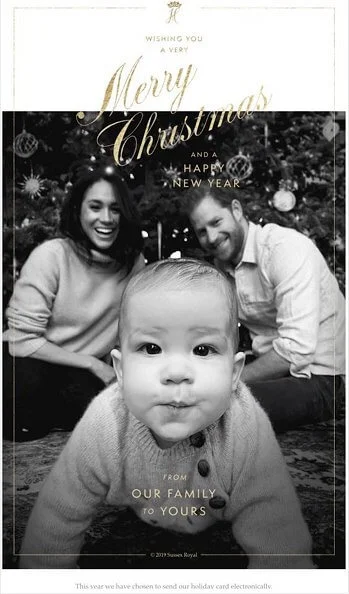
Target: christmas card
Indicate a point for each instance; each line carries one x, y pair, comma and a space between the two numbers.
190, 134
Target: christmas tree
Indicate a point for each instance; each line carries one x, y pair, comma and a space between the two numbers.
290, 167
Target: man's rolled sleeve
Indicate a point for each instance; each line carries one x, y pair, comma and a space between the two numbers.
295, 276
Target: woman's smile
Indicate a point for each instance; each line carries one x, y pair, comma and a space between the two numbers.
100, 215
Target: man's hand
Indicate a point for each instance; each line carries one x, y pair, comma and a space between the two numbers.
267, 366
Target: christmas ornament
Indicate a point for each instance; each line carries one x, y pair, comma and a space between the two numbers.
338, 243
239, 167
284, 200
25, 145
330, 128
172, 173
32, 185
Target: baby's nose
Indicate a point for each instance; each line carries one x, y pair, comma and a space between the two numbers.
177, 370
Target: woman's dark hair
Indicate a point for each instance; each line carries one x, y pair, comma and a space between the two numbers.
129, 242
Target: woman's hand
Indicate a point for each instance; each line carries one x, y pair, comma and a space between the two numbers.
101, 370
54, 354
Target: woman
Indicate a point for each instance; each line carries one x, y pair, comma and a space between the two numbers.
63, 314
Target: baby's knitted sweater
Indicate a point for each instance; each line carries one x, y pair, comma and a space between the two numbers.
62, 298
232, 470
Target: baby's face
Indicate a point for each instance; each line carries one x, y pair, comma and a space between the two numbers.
176, 366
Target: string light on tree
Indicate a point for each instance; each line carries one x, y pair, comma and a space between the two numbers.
266, 135
171, 140
216, 168
239, 167
25, 222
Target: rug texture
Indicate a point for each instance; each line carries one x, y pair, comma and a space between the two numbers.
118, 539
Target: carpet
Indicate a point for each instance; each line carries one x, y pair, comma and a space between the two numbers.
117, 538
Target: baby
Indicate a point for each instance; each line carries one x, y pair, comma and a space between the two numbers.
178, 408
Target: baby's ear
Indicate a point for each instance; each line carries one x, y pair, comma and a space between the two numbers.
239, 362
116, 356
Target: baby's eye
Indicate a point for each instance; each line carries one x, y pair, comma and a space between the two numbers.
202, 350
151, 349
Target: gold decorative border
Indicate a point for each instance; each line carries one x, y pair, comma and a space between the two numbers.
334, 235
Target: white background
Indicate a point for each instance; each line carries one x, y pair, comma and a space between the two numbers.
62, 57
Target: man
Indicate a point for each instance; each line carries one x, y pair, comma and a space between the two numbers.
289, 301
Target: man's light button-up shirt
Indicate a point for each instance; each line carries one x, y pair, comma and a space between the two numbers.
290, 301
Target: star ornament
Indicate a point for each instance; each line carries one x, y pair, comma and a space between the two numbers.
33, 185
171, 172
